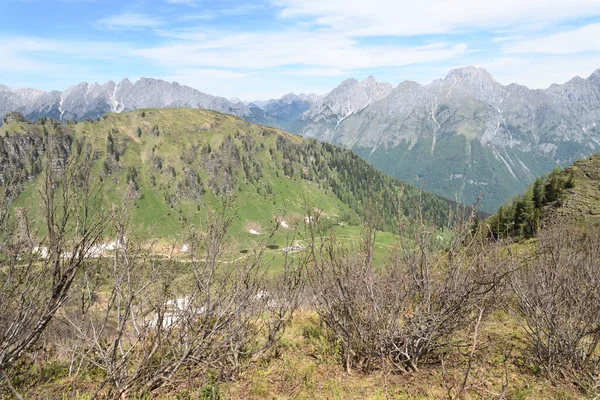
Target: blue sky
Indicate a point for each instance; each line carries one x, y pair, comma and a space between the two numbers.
257, 50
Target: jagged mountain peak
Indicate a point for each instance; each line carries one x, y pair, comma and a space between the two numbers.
369, 79
466, 134
345, 84
368, 83
595, 76
469, 72
468, 83
290, 97
91, 101
466, 77
408, 84
348, 98
577, 80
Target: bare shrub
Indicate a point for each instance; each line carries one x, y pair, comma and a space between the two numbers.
397, 312
38, 276
558, 295
154, 319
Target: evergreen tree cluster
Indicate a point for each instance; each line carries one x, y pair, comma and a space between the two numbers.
522, 217
360, 185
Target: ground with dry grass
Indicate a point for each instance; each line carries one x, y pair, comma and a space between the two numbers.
308, 367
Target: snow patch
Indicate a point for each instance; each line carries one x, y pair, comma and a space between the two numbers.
343, 118
293, 248
498, 156
253, 232
42, 251
525, 167
60, 104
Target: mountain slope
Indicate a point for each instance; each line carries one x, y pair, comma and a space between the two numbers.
324, 116
582, 200
466, 134
176, 164
569, 195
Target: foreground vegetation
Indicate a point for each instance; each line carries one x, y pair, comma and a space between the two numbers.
423, 313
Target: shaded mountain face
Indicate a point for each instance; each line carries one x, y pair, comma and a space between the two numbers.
465, 135
288, 109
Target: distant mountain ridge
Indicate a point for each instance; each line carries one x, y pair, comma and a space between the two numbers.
460, 136
464, 135
92, 100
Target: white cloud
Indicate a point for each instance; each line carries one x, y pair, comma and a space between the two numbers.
259, 50
393, 17
190, 74
32, 46
540, 72
314, 44
126, 21
187, 2
247, 86
241, 9
51, 64
500, 39
316, 72
572, 41
205, 16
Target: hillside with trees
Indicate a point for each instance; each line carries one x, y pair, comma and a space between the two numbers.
174, 165
571, 193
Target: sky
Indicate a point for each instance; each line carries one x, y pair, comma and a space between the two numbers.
256, 50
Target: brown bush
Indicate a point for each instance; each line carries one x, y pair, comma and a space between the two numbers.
204, 316
37, 277
398, 312
558, 296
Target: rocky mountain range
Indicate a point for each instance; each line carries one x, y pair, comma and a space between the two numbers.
92, 100
465, 135
462, 136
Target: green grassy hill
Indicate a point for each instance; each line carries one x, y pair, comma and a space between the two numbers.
572, 193
174, 165
582, 201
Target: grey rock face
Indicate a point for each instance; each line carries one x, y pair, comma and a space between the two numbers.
466, 128
350, 97
94, 100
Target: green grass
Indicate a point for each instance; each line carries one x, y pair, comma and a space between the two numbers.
582, 202
165, 207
